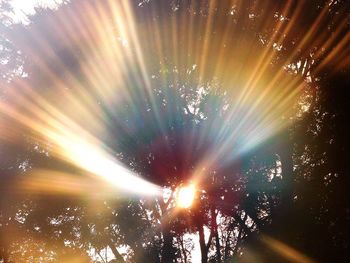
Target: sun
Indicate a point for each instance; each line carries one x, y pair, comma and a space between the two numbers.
185, 196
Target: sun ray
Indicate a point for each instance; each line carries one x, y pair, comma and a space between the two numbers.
122, 57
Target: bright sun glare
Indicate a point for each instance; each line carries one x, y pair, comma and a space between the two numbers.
186, 196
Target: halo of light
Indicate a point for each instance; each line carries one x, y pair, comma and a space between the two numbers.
185, 196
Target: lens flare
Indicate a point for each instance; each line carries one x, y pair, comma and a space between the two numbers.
185, 196
90, 57
289, 253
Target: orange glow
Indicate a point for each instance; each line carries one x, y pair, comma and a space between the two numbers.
185, 196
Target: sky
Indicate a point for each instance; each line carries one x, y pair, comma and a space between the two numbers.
23, 7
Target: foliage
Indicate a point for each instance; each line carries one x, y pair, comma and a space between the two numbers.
291, 186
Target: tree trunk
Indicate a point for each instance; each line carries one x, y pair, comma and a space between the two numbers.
116, 254
167, 253
214, 229
203, 246
217, 244
167, 250
227, 246
183, 249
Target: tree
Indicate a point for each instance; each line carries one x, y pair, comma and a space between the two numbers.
236, 111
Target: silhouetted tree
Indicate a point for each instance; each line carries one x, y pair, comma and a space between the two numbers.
171, 121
